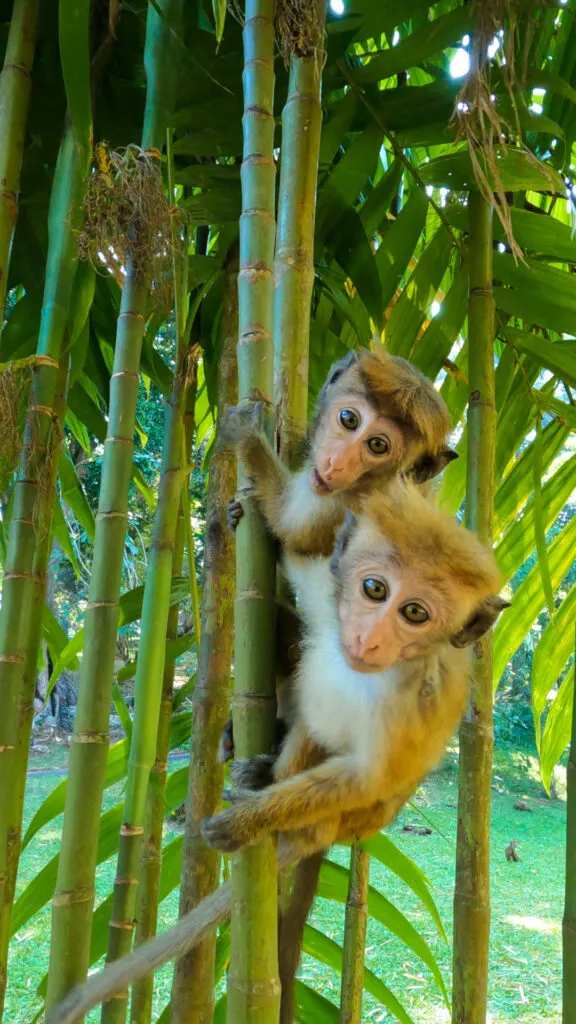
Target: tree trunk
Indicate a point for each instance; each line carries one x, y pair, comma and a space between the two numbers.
253, 986
24, 579
355, 938
73, 899
193, 986
569, 919
15, 89
472, 892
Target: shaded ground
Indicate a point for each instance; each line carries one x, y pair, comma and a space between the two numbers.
526, 902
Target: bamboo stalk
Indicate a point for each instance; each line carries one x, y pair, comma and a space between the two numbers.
355, 923
294, 258
193, 985
24, 572
472, 891
569, 918
15, 89
253, 986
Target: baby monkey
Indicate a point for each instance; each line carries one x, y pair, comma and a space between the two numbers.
381, 686
376, 416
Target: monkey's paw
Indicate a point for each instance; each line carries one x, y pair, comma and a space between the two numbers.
234, 513
222, 832
254, 773
226, 745
240, 421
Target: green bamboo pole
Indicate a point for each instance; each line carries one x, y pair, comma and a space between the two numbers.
74, 896
15, 89
355, 923
23, 584
472, 891
569, 918
294, 257
193, 985
253, 986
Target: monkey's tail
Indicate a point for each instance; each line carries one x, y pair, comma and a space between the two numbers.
115, 977
291, 930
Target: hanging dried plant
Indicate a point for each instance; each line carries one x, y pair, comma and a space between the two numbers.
299, 29
15, 379
128, 219
479, 119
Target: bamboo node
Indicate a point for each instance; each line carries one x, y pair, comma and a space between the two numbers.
6, 747
46, 361
19, 576
125, 926
6, 193
46, 410
15, 66
485, 292
12, 659
89, 736
118, 440
111, 515
125, 881
131, 312
101, 604
247, 699
125, 373
131, 830
262, 112
70, 897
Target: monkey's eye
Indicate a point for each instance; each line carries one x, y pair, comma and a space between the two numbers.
379, 445
375, 590
349, 419
415, 613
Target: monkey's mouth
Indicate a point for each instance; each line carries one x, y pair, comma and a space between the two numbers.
357, 664
320, 485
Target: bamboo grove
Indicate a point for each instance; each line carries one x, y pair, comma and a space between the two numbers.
199, 206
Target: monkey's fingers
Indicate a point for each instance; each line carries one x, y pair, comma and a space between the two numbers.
254, 773
234, 513
221, 832
226, 745
234, 796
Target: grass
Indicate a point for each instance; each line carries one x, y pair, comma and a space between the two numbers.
527, 899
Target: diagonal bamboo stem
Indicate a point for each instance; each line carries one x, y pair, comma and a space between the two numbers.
15, 89
355, 938
24, 572
193, 985
253, 987
472, 892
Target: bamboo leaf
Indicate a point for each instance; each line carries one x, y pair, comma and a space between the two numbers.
516, 170
528, 601
550, 657
347, 181
557, 729
536, 292
384, 850
535, 233
73, 493
219, 8
122, 710
414, 304
350, 247
518, 485
417, 47
555, 356
539, 531
54, 635
73, 36
328, 952
312, 1008
334, 885
374, 209
393, 256
174, 649
435, 344
62, 534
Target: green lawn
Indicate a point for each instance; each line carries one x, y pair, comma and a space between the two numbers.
526, 903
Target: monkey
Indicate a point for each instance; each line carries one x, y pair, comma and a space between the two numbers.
376, 416
511, 853
382, 682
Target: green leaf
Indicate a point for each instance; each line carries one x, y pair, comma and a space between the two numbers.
219, 8
518, 172
550, 657
312, 1008
62, 534
73, 493
383, 849
73, 36
395, 252
374, 209
413, 306
122, 710
528, 600
347, 181
435, 344
536, 233
334, 885
539, 530
518, 485
517, 543
557, 729
536, 292
329, 952
174, 649
417, 47
54, 635
21, 329
557, 356
351, 249
81, 301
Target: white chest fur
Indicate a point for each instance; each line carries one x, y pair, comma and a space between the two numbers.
342, 708
303, 506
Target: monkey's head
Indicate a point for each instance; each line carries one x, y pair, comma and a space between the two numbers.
377, 416
408, 578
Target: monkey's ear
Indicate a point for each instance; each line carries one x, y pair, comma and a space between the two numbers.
337, 370
342, 539
480, 622
428, 466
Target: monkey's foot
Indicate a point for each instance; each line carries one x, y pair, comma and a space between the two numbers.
226, 745
254, 773
234, 513
222, 833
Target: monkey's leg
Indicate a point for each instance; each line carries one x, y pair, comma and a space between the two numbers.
337, 785
291, 929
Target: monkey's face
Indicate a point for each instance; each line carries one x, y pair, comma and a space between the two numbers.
352, 439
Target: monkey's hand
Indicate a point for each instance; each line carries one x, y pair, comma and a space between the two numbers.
255, 773
234, 513
225, 831
240, 422
226, 745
